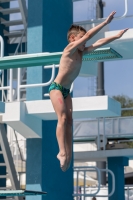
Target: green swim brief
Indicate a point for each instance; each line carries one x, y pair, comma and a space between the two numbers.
55, 86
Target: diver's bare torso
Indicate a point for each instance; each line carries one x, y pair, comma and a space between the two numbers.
69, 68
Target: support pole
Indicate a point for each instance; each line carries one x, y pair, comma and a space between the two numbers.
100, 86
100, 77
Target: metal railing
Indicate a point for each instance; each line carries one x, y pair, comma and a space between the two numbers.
2, 71
128, 192
19, 86
101, 129
8, 88
2, 47
19, 79
20, 42
85, 169
18, 150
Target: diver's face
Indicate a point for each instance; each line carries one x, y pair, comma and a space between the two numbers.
79, 36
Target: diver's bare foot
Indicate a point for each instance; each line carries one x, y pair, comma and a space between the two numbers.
63, 161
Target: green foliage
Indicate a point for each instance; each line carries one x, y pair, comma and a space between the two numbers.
130, 144
126, 102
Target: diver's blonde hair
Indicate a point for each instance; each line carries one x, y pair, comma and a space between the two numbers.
74, 29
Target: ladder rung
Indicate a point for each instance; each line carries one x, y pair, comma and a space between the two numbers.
13, 34
9, 10
9, 164
4, 176
1, 152
2, 164
23, 99
24, 80
12, 23
5, 1
22, 53
5, 188
9, 198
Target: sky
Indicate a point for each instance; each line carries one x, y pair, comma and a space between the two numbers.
118, 75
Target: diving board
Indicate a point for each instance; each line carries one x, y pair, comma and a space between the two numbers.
123, 45
30, 60
8, 193
25, 117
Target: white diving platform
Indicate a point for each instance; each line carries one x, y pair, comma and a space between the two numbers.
25, 117
86, 156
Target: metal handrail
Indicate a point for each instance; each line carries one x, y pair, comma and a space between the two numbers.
21, 155
2, 46
127, 187
99, 20
99, 180
114, 134
19, 86
10, 87
127, 108
11, 70
113, 183
2, 71
33, 85
20, 41
85, 169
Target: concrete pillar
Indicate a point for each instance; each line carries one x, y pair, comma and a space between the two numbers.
48, 22
116, 164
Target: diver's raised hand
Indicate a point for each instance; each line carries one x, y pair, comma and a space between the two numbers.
120, 34
110, 17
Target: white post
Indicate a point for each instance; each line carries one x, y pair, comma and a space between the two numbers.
2, 47
2, 83
18, 86
2, 54
11, 85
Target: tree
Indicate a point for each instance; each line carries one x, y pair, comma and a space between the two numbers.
126, 102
